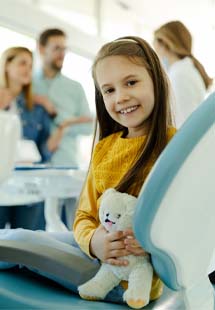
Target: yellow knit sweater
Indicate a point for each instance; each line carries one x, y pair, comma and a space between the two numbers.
112, 158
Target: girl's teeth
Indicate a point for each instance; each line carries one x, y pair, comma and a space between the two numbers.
128, 110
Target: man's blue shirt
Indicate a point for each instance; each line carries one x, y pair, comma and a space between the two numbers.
69, 99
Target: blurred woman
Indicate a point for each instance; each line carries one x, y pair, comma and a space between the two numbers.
16, 97
189, 80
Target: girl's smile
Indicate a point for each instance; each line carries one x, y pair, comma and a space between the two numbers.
129, 109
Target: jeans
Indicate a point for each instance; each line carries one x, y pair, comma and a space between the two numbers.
27, 217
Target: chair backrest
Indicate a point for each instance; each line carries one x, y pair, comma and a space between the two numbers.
175, 214
10, 129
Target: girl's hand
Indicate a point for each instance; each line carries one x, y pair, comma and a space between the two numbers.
109, 247
131, 244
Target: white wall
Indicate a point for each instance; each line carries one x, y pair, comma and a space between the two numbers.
30, 20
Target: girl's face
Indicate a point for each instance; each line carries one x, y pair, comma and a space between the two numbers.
128, 93
19, 70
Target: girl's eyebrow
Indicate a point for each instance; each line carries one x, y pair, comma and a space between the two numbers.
125, 78
130, 76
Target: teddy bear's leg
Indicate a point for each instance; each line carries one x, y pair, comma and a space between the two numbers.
139, 286
101, 284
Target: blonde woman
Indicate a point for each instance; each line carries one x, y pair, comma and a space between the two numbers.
189, 80
16, 97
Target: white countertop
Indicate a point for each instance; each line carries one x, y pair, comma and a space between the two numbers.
32, 184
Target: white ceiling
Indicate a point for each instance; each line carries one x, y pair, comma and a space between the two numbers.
140, 17
91, 22
109, 19
149, 13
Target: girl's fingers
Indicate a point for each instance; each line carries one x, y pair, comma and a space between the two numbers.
121, 243
118, 253
133, 246
117, 245
115, 236
137, 251
131, 242
114, 245
128, 232
117, 262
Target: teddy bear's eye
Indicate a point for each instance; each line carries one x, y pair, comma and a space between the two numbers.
107, 214
118, 216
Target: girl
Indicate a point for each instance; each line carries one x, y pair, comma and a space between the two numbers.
189, 80
134, 127
16, 97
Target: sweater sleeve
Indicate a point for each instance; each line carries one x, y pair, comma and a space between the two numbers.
86, 218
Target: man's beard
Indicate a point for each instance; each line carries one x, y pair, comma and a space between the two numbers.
56, 68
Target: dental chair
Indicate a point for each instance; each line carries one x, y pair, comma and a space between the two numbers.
174, 221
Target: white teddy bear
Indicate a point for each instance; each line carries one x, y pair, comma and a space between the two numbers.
116, 213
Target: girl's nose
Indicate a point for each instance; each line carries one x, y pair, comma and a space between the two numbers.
122, 96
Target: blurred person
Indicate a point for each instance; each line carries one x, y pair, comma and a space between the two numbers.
16, 97
189, 80
63, 98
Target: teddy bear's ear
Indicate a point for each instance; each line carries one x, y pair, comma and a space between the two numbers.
130, 202
108, 192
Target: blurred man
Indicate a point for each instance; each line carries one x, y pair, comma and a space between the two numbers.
62, 97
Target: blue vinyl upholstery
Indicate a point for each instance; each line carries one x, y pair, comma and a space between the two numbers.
173, 219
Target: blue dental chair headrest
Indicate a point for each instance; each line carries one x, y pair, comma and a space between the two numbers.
174, 219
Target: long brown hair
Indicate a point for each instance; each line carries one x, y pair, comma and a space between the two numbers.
177, 38
139, 51
8, 56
